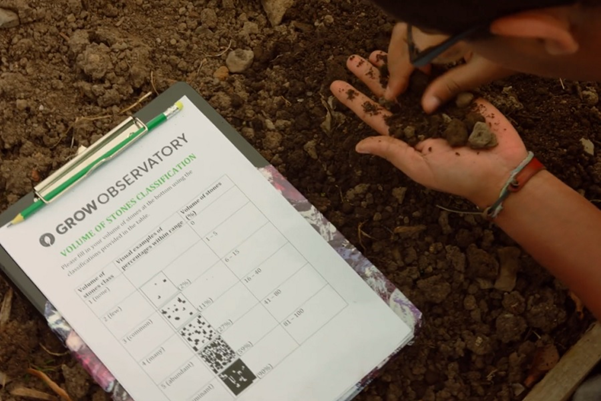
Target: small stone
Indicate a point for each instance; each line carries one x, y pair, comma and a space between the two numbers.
269, 125
590, 97
589, 147
514, 302
311, 149
272, 140
361, 189
22, 104
518, 389
239, 60
464, 99
471, 119
249, 28
78, 41
248, 133
510, 328
409, 132
282, 125
8, 19
221, 73
443, 220
276, 9
221, 101
481, 264
76, 381
95, 61
208, 18
399, 194
328, 20
479, 344
482, 137
434, 288
469, 303
456, 133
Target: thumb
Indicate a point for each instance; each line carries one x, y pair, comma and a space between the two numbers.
478, 71
397, 152
399, 66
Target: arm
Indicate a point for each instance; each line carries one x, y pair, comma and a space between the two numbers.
553, 223
561, 230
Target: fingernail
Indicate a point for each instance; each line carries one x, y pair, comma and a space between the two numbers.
431, 103
360, 148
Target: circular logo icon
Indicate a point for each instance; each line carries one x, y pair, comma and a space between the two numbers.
47, 240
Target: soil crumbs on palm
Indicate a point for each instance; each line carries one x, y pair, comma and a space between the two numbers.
459, 123
71, 69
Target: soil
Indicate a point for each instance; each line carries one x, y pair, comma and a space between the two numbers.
72, 68
458, 122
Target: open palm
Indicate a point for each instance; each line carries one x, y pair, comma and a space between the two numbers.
475, 175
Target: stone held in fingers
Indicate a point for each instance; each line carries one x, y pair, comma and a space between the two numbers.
8, 19
239, 60
464, 99
482, 137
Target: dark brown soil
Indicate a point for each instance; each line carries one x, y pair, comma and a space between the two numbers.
71, 67
457, 122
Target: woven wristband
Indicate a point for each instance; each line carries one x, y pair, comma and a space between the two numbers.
518, 178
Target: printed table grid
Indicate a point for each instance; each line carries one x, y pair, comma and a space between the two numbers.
253, 265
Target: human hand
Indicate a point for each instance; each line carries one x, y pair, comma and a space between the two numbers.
475, 175
475, 72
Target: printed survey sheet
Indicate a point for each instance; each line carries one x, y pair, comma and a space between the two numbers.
192, 278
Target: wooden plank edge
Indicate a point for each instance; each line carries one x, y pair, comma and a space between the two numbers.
573, 368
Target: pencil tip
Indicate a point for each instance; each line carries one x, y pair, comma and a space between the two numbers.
9, 224
16, 220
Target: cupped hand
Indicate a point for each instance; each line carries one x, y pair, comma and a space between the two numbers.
474, 72
475, 175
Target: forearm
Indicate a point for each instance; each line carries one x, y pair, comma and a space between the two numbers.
561, 230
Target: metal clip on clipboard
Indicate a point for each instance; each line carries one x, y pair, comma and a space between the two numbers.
128, 127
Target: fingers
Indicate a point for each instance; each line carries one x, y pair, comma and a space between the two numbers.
369, 111
378, 58
366, 72
460, 79
397, 152
399, 64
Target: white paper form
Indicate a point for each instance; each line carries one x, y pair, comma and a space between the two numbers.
192, 278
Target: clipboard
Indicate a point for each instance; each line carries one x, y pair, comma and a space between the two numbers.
10, 270
384, 289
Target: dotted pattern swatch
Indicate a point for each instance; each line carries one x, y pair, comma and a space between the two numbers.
237, 377
178, 311
218, 355
198, 333
159, 290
